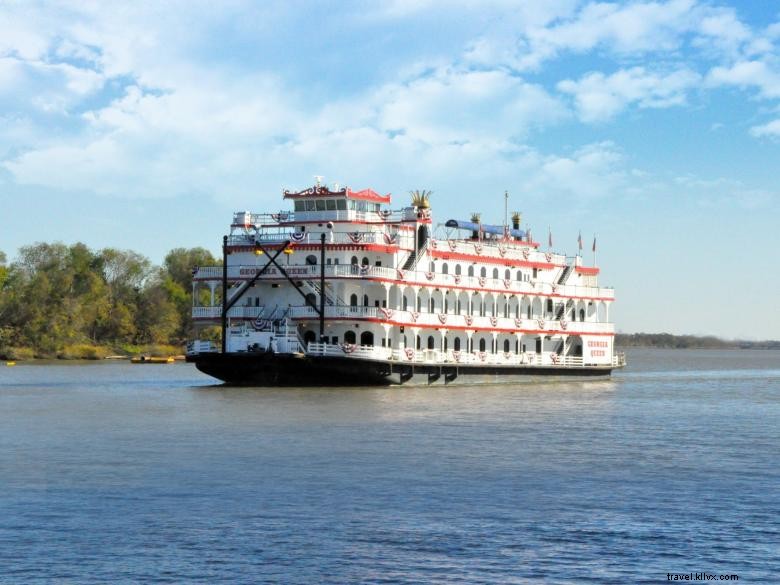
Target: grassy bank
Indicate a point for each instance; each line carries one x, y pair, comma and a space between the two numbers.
84, 351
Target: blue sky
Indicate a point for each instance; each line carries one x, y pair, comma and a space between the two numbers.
655, 125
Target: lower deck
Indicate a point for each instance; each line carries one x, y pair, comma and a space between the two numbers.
266, 368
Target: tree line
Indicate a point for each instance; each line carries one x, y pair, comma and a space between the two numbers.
60, 300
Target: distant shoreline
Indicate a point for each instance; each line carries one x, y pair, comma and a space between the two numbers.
622, 341
669, 341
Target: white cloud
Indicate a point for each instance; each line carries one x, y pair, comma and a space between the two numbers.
599, 97
746, 74
769, 130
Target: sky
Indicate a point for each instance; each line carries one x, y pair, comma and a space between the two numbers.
652, 126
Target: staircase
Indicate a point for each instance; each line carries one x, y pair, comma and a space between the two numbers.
563, 309
565, 274
313, 286
411, 261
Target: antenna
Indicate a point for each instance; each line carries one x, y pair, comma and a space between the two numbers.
506, 202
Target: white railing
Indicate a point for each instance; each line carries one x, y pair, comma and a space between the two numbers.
199, 346
438, 320
450, 357
410, 278
234, 312
383, 216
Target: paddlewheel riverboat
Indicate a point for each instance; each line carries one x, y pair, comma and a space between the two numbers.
344, 290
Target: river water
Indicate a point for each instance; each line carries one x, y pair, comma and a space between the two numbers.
118, 473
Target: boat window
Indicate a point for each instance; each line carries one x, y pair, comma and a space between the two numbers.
471, 271
418, 342
365, 300
309, 337
353, 301
445, 344
320, 205
430, 342
300, 206
582, 314
405, 303
457, 344
482, 344
341, 204
446, 306
520, 275
335, 260
483, 272
352, 205
457, 269
366, 338
507, 274
536, 272
506, 345
311, 260
445, 269
549, 305
330, 204
364, 261
419, 304
495, 273
354, 260
310, 206
349, 337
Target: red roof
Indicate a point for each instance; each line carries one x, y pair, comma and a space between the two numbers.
322, 191
368, 195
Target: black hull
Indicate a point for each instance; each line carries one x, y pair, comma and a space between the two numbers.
269, 369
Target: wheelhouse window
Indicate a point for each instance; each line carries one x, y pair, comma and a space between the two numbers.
300, 206
330, 204
320, 205
310, 205
341, 204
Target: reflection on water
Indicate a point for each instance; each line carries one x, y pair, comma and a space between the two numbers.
114, 472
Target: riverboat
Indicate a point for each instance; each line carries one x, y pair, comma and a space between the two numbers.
344, 290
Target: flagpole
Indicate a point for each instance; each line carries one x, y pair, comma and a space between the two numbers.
594, 250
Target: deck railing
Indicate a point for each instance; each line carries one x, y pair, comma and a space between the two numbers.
409, 278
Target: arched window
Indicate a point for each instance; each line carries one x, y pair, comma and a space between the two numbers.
507, 274
430, 342
431, 305
495, 273
405, 303
365, 300
506, 307
458, 307
506, 346
366, 338
482, 344
471, 271
582, 314
349, 337
457, 344
354, 260
419, 304
311, 260
364, 261
445, 344
446, 305
457, 269
445, 269
483, 272
520, 276
353, 301
309, 337
418, 342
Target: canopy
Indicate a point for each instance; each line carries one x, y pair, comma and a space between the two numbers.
487, 229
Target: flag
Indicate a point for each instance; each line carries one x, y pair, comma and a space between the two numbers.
579, 241
549, 237
594, 243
